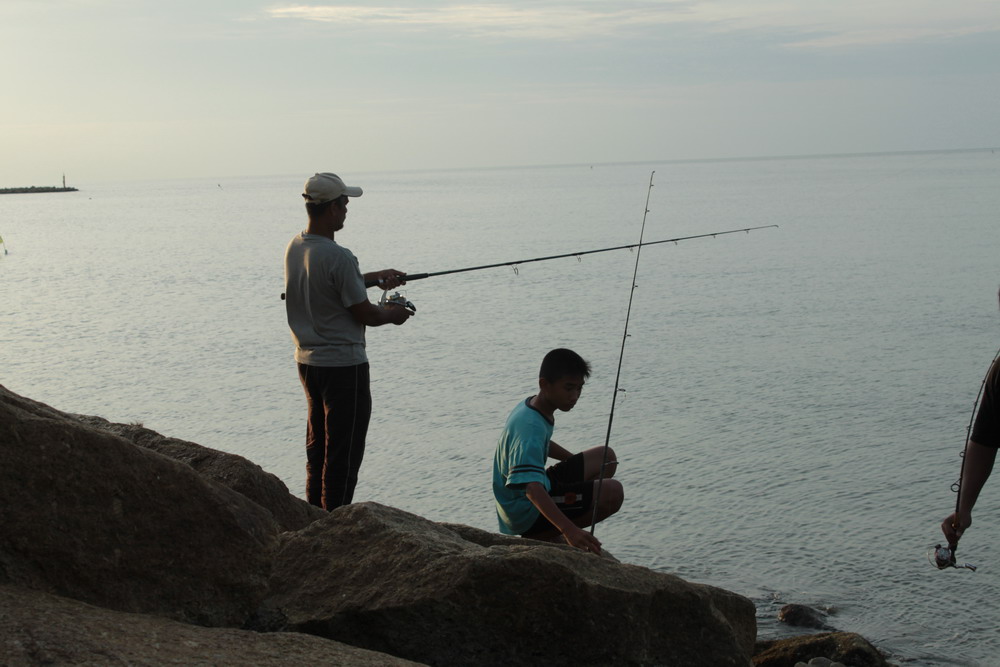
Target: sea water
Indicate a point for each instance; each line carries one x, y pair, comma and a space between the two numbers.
794, 399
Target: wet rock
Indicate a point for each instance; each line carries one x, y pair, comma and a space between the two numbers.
799, 615
390, 581
88, 515
820, 662
41, 629
843, 647
237, 473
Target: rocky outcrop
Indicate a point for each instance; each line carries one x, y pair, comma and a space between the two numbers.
443, 599
235, 472
178, 535
843, 647
41, 629
88, 515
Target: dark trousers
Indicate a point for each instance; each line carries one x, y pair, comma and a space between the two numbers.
340, 407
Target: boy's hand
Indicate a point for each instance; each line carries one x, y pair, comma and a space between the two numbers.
581, 539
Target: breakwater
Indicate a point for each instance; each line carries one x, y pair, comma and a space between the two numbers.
35, 188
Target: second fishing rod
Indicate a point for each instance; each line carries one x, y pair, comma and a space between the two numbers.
621, 356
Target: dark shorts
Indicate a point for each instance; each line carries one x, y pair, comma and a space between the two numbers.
572, 495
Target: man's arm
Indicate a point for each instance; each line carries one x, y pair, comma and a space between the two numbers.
370, 315
573, 534
976, 468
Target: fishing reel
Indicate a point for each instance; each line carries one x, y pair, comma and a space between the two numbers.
397, 299
943, 557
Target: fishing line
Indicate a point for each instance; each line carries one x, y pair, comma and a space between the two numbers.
945, 556
621, 356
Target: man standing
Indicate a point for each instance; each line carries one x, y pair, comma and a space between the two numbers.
328, 310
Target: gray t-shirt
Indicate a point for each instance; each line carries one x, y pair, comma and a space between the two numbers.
322, 279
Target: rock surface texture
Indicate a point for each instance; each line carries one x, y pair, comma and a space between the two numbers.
444, 599
229, 470
41, 629
88, 515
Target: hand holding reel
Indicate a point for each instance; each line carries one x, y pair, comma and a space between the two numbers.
398, 300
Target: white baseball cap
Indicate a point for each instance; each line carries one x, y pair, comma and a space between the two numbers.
325, 187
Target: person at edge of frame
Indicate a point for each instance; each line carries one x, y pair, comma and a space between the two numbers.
328, 310
977, 464
541, 503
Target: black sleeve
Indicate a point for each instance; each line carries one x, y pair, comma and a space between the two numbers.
986, 430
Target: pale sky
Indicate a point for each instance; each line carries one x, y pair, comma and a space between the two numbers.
107, 90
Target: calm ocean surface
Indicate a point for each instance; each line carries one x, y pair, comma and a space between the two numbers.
795, 400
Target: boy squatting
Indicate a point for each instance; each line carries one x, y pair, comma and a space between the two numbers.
541, 503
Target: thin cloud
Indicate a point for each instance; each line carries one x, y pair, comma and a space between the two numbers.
853, 23
888, 36
496, 20
816, 26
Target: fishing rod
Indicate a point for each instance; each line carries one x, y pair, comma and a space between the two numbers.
621, 355
516, 262
939, 555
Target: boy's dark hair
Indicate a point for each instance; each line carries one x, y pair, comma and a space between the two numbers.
561, 362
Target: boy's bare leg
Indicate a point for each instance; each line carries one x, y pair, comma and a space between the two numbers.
593, 458
610, 501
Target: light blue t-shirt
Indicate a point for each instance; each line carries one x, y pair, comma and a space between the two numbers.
520, 458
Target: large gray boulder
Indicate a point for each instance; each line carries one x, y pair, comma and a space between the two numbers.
88, 515
237, 473
390, 581
42, 629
